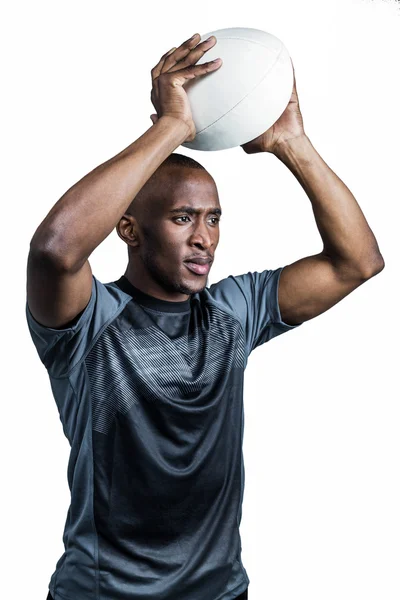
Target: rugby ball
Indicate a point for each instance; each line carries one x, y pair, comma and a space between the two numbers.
246, 95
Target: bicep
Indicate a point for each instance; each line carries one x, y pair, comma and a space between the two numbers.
56, 297
312, 285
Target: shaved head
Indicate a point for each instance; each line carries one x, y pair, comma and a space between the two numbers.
159, 185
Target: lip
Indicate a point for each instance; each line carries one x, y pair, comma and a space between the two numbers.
198, 269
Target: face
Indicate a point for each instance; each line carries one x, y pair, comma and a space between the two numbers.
182, 222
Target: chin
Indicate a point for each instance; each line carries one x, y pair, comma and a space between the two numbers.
195, 287
201, 284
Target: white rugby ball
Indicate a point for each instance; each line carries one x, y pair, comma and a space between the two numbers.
246, 95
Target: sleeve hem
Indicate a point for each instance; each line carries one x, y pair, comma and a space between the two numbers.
40, 327
275, 310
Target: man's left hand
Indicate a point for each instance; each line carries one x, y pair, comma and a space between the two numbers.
288, 126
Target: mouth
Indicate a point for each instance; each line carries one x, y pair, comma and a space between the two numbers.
198, 269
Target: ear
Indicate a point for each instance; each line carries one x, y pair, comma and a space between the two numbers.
154, 118
127, 230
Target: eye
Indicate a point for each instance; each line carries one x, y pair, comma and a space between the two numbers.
215, 219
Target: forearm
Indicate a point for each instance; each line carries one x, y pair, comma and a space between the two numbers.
346, 235
87, 213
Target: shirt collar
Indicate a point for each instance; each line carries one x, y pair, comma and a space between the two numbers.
151, 301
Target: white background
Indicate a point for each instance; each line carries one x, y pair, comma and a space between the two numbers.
321, 506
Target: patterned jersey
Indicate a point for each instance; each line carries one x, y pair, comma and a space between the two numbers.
150, 397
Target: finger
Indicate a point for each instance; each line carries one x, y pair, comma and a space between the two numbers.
192, 71
182, 51
157, 69
173, 62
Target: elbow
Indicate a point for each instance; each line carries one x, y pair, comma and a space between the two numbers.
45, 253
373, 267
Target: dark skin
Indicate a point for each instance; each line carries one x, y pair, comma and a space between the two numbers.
159, 241
59, 278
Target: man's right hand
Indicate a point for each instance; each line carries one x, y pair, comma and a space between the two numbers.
175, 68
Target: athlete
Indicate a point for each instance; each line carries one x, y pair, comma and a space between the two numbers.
147, 371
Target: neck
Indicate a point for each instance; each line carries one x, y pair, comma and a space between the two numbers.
141, 280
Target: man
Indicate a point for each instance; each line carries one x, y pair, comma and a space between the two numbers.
147, 371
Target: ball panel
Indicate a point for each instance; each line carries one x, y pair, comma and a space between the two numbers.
250, 60
246, 33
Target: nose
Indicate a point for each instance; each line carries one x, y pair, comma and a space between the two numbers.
202, 236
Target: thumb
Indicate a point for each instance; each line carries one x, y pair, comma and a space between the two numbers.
154, 118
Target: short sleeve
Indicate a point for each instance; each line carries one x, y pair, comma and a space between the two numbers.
60, 350
253, 297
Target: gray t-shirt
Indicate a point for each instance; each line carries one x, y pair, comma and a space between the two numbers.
150, 397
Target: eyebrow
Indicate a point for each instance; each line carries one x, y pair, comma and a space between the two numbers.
193, 211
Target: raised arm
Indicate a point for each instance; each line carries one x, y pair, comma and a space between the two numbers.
350, 254
59, 277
